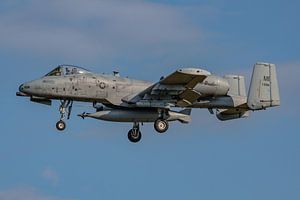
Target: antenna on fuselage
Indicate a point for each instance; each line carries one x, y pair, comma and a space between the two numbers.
116, 73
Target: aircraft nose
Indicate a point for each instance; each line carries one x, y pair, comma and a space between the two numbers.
25, 87
21, 87
22, 90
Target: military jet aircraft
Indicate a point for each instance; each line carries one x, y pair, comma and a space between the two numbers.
121, 99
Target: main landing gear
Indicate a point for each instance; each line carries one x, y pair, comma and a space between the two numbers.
65, 108
161, 125
134, 134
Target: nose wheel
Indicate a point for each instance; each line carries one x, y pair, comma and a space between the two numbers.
65, 108
134, 134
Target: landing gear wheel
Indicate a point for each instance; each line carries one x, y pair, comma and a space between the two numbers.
134, 135
60, 125
161, 125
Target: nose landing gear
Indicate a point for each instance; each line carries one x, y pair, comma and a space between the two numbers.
64, 108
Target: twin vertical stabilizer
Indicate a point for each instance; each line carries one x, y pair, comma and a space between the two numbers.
263, 91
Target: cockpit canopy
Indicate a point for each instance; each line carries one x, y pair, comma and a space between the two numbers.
67, 70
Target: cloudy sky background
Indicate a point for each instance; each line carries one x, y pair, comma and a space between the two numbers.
256, 158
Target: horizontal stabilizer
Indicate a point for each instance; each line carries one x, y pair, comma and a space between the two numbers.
229, 114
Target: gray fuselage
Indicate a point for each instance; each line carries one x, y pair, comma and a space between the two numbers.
88, 87
106, 89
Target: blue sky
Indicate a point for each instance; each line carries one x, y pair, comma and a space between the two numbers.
254, 158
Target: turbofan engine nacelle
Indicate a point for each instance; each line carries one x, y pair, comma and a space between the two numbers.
213, 86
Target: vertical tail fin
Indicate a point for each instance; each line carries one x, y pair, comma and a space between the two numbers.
263, 91
237, 85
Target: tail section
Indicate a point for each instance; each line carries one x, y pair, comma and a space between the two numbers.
263, 91
237, 85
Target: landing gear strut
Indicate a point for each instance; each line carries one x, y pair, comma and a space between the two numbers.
65, 108
134, 134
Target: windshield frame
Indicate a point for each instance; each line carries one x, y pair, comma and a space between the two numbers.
67, 70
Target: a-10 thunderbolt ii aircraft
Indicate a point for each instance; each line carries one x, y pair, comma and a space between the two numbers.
137, 101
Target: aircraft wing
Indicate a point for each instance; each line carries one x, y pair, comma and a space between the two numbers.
175, 89
188, 77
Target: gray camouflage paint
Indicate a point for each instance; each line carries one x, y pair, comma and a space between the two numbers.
226, 94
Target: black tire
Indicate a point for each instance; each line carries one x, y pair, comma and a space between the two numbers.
60, 125
161, 125
134, 137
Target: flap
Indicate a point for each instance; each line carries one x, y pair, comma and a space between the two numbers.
188, 97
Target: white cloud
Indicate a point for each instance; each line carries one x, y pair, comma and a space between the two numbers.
90, 28
25, 194
50, 175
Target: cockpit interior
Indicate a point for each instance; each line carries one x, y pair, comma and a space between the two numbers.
67, 70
